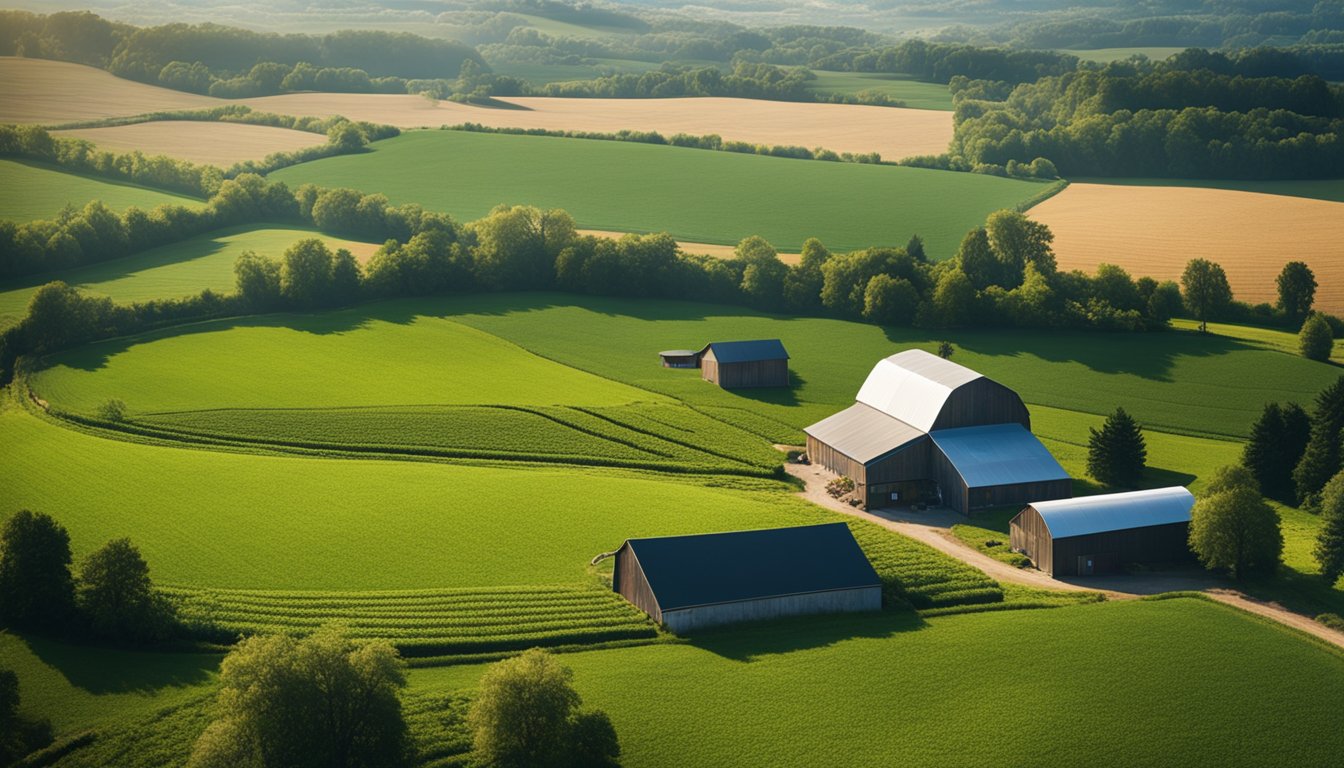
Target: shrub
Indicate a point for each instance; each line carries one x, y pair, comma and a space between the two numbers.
112, 410
1316, 341
839, 487
1331, 620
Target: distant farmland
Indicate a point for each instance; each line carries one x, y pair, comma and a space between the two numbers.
696, 195
30, 191
51, 92
1155, 230
221, 144
172, 271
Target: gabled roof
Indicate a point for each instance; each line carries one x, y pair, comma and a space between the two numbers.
1115, 511
913, 386
864, 433
704, 569
997, 454
747, 351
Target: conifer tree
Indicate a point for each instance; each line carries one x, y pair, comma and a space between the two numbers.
1329, 550
1116, 455
1320, 458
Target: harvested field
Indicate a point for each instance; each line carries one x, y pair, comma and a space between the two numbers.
1155, 230
41, 91
221, 144
894, 133
716, 250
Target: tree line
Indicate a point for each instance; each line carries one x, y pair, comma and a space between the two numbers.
1129, 119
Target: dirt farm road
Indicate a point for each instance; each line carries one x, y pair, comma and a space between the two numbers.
933, 527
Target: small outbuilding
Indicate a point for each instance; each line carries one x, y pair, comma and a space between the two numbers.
1100, 534
744, 364
690, 582
680, 358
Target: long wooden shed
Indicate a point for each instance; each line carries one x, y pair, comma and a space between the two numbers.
923, 427
745, 364
1100, 534
704, 580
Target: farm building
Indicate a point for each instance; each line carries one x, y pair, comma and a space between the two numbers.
704, 580
679, 358
923, 427
1099, 534
742, 364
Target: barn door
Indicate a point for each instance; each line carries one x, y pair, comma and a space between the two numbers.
1087, 565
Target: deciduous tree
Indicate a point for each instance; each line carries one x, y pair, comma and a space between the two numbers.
1316, 340
1297, 290
1205, 290
116, 598
1329, 550
1233, 529
36, 589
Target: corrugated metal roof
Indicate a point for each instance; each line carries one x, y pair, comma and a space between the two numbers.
997, 454
913, 386
1116, 511
748, 351
678, 353
704, 569
864, 433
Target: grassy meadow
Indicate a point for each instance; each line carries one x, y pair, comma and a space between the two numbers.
1036, 685
710, 197
171, 271
31, 191
915, 94
1107, 55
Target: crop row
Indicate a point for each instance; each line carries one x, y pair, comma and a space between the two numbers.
640, 436
422, 622
920, 575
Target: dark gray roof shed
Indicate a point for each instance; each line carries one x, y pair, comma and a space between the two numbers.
713, 568
748, 351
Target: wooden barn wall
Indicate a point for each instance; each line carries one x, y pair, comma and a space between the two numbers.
1115, 549
709, 369
909, 463
1028, 534
629, 581
1019, 494
824, 455
982, 402
835, 601
955, 493
756, 373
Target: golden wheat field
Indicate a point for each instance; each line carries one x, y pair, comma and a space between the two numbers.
53, 92
1156, 230
893, 133
220, 144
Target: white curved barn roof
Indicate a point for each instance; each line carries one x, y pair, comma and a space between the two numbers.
913, 386
1115, 511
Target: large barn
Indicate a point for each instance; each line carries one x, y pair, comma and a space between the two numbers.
1100, 534
923, 427
690, 582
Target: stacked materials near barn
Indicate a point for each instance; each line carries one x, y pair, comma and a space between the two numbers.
1099, 534
690, 582
925, 427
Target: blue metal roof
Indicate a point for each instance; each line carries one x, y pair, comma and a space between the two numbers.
748, 351
997, 454
1115, 511
704, 569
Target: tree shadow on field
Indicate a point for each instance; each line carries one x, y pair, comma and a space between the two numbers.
1150, 356
102, 670
748, 642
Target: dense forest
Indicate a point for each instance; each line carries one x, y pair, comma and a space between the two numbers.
1196, 116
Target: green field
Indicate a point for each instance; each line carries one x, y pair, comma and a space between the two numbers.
1107, 55
915, 94
1178, 381
1020, 688
29, 191
711, 197
169, 272
541, 74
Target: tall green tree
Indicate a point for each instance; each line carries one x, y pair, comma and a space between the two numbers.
915, 247
1316, 340
527, 715
36, 589
1278, 438
802, 286
1205, 290
890, 301
978, 261
1017, 241
320, 702
258, 281
1297, 290
1329, 550
1233, 529
953, 299
763, 274
517, 246
1117, 454
306, 273
116, 598
1321, 458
